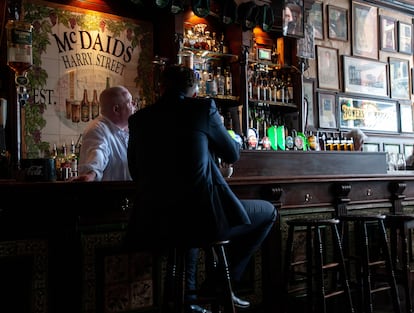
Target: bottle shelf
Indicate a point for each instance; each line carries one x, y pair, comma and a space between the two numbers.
274, 103
211, 55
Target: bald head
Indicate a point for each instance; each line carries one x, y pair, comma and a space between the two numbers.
116, 105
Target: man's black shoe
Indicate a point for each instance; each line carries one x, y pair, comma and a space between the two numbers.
196, 309
239, 303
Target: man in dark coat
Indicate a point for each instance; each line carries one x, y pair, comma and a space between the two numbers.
182, 197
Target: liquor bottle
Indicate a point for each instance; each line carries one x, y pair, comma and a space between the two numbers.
73, 160
223, 45
289, 88
85, 107
19, 42
220, 81
95, 105
228, 82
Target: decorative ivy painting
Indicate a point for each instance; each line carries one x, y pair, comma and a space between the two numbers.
75, 51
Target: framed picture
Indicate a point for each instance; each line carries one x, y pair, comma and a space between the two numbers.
306, 45
293, 19
315, 18
391, 148
369, 114
399, 78
326, 110
408, 150
365, 76
405, 38
412, 80
406, 113
388, 34
327, 62
364, 30
337, 23
371, 147
309, 103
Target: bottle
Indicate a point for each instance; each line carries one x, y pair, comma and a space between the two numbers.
289, 89
108, 85
73, 160
95, 105
220, 81
19, 42
223, 46
85, 107
228, 82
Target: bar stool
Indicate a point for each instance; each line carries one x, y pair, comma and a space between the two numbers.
317, 267
369, 266
400, 227
218, 297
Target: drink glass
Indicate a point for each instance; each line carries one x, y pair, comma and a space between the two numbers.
76, 108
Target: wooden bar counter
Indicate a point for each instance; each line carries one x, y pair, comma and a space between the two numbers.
61, 243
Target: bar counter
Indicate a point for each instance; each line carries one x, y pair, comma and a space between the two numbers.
62, 241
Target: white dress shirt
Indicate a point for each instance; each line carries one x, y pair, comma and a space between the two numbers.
104, 151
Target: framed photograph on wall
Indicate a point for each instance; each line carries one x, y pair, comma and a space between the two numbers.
388, 34
405, 38
327, 109
293, 19
327, 63
309, 103
315, 18
408, 150
399, 78
406, 113
365, 76
337, 23
367, 113
364, 30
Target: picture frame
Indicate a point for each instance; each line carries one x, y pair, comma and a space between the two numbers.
391, 148
327, 109
371, 147
399, 78
368, 113
412, 80
309, 103
293, 17
305, 46
364, 30
365, 76
315, 18
406, 114
328, 68
408, 151
388, 34
405, 38
337, 23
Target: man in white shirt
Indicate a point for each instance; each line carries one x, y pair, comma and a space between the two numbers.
103, 154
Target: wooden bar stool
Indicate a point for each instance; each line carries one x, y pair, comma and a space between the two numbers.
400, 228
317, 272
218, 297
371, 266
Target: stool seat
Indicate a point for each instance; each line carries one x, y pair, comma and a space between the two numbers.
363, 217
370, 233
318, 290
219, 294
312, 222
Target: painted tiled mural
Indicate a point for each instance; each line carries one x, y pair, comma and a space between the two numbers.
76, 50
